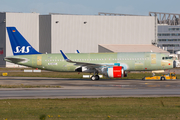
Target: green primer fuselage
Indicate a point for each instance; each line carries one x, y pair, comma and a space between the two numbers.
130, 61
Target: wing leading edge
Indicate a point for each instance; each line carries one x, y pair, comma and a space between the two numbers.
92, 65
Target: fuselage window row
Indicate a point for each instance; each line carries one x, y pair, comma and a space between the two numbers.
109, 59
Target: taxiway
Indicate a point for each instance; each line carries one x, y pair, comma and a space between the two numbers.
78, 88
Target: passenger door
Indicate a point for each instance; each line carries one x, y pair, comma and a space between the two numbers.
39, 60
153, 58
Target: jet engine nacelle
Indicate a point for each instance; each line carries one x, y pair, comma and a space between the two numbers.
116, 72
84, 69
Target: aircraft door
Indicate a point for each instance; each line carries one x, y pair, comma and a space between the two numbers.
153, 58
39, 60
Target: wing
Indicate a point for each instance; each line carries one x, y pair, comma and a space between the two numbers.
90, 65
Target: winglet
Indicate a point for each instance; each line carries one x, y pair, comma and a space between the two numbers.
64, 56
77, 51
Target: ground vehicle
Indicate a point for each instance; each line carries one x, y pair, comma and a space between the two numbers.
169, 76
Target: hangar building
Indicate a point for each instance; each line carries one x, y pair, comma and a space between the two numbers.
26, 23
86, 32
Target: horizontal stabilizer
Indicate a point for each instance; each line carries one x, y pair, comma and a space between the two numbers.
14, 60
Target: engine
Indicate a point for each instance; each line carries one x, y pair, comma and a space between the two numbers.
84, 69
114, 72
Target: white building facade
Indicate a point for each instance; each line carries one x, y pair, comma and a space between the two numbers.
85, 32
26, 23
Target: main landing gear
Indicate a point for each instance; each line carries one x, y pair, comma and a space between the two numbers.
95, 76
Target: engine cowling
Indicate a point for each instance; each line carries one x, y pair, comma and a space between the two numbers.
84, 69
116, 72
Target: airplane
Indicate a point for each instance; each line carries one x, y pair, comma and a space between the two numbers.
112, 65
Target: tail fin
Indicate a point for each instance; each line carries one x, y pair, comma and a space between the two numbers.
19, 44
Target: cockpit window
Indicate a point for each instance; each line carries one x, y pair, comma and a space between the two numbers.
165, 58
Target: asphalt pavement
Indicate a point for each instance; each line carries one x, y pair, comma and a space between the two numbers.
80, 88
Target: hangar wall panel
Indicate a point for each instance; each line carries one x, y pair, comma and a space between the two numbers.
45, 33
71, 32
28, 25
2, 39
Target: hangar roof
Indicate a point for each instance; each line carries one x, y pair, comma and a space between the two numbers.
130, 48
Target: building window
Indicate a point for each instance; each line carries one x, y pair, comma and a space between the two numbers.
169, 34
170, 45
168, 40
174, 29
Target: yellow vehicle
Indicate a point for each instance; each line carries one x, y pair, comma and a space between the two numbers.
169, 76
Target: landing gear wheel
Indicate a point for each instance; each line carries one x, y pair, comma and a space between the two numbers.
95, 77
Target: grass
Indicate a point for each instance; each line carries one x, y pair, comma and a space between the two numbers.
164, 108
18, 72
73, 75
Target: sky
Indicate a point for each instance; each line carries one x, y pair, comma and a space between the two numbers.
90, 7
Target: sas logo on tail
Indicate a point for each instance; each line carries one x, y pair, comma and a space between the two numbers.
23, 49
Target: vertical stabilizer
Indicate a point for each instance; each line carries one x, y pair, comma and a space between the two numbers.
19, 44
